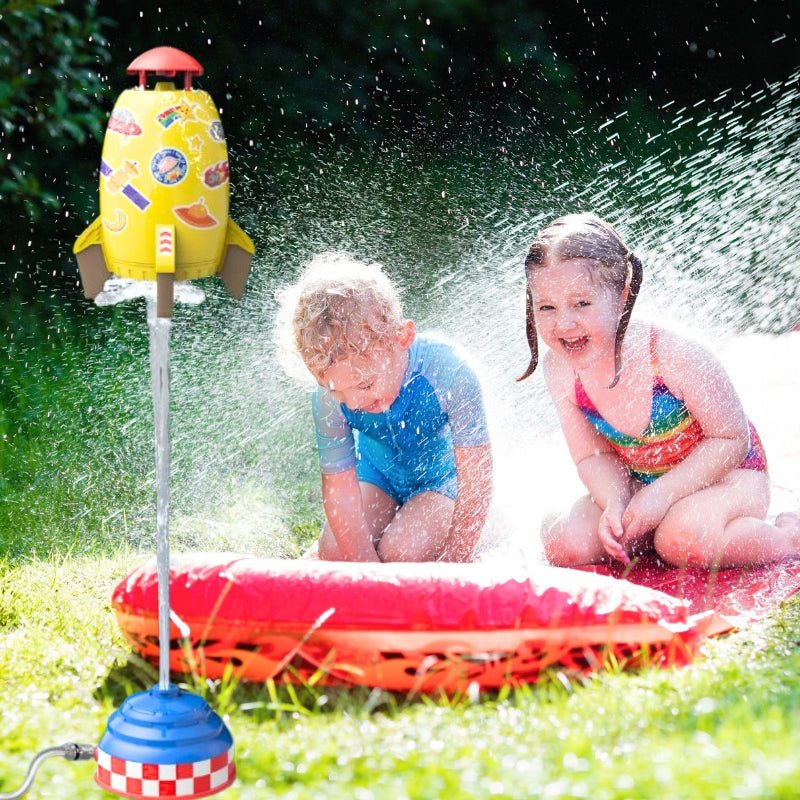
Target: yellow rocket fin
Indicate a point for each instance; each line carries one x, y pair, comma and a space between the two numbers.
239, 250
88, 250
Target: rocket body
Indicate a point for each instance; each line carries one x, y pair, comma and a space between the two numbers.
164, 191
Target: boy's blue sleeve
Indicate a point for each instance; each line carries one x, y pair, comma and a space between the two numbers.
335, 441
461, 398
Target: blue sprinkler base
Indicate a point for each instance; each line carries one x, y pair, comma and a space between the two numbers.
165, 744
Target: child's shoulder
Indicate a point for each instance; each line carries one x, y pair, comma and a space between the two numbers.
436, 355
434, 345
683, 360
557, 373
674, 346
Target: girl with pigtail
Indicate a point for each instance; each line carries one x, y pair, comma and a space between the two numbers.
654, 426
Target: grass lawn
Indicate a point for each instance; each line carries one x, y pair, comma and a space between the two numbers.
727, 726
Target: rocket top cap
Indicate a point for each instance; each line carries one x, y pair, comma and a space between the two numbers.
167, 61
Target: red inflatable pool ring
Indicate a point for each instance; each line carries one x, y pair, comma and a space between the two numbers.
404, 627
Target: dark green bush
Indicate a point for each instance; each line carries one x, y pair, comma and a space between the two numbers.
52, 98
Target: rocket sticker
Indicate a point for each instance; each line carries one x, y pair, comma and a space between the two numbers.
118, 180
196, 215
169, 166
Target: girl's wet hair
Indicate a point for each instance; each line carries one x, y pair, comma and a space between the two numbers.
589, 237
339, 307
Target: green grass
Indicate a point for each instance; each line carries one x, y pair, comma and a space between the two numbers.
76, 509
726, 726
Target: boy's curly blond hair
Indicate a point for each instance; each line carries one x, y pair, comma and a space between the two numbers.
338, 307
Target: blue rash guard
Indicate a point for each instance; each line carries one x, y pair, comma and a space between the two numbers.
407, 449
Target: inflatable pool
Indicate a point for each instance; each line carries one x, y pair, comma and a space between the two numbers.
404, 627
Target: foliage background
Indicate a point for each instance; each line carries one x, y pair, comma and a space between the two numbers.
291, 79
428, 69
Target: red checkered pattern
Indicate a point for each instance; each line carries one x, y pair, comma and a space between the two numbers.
135, 779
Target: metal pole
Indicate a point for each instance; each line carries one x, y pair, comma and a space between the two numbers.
159, 370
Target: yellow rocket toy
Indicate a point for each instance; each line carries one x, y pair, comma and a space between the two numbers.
164, 189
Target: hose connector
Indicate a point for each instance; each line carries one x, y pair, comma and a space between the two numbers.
70, 751
78, 752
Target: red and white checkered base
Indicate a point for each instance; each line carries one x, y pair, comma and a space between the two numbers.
165, 781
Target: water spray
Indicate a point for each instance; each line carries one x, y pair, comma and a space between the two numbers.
163, 222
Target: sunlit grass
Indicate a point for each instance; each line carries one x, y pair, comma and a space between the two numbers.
726, 726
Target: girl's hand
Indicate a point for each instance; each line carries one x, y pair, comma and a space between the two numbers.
645, 511
611, 530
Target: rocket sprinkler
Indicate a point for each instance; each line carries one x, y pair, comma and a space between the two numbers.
164, 181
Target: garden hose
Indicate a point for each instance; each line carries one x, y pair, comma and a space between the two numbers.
70, 751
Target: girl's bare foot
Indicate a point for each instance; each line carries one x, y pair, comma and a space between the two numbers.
789, 520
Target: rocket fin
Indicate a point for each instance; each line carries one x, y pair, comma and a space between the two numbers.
88, 251
239, 250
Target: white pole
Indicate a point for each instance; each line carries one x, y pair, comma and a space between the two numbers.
159, 370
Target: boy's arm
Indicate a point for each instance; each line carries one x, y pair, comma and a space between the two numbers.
341, 498
341, 494
474, 475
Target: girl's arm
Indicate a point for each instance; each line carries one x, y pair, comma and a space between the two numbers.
695, 376
341, 498
599, 468
474, 471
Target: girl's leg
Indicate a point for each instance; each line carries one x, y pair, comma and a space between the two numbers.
724, 526
379, 509
418, 531
570, 539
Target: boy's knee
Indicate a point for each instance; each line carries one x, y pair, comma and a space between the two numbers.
327, 548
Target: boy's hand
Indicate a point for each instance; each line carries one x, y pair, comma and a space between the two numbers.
474, 471
341, 498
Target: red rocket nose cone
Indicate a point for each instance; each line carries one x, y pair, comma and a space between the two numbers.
165, 61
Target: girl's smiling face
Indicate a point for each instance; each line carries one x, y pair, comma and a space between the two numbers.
576, 316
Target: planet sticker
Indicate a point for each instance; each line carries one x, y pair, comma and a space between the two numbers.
169, 166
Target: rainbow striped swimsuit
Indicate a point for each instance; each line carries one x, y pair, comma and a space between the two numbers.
671, 434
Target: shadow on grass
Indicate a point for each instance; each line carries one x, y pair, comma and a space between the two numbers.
264, 700
294, 697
